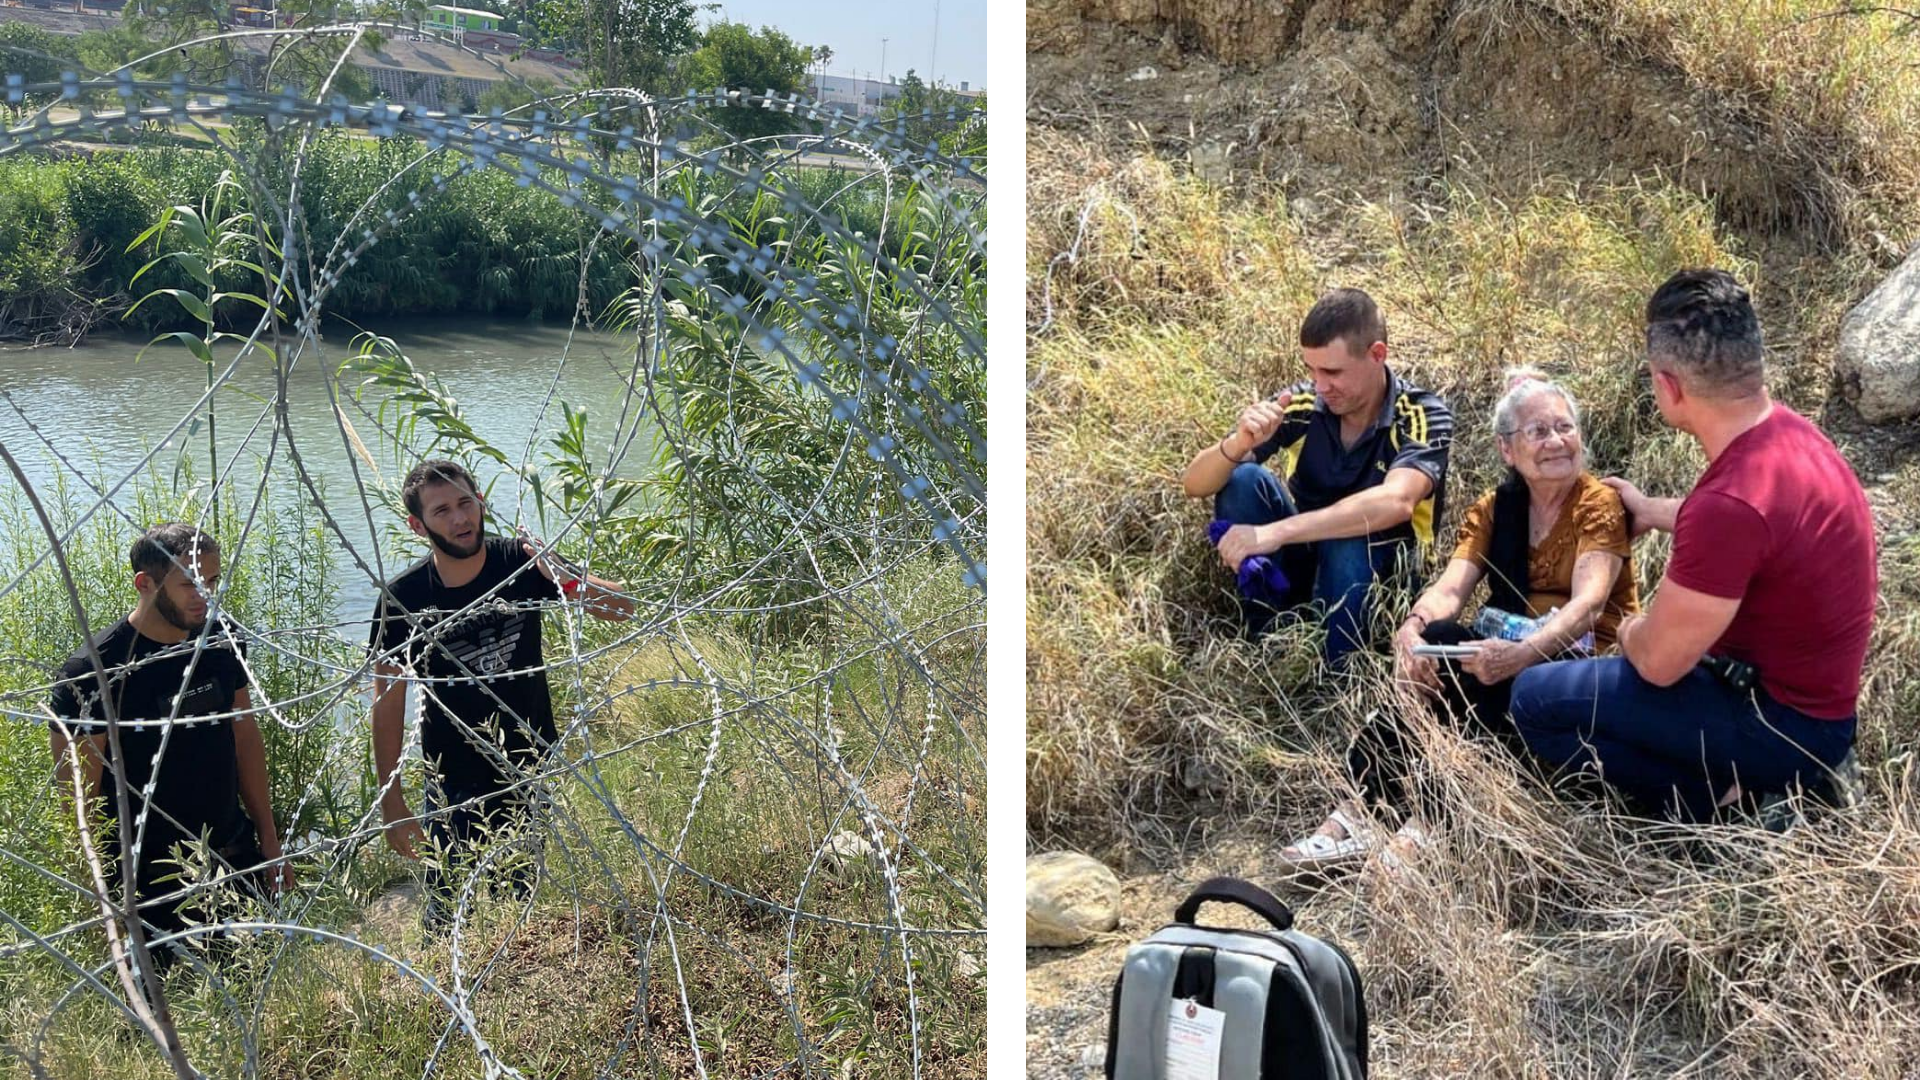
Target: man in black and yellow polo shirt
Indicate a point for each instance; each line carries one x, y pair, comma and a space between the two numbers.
1363, 473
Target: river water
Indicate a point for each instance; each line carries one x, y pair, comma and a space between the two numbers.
103, 411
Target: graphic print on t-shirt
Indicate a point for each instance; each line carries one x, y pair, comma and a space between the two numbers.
201, 700
489, 649
467, 641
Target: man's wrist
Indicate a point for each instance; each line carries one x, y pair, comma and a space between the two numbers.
1234, 448
1658, 513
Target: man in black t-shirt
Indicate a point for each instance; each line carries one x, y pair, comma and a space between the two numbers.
464, 624
1363, 482
175, 688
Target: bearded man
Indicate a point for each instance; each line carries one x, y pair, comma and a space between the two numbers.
463, 625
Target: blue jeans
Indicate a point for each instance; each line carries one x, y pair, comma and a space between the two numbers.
1337, 574
1672, 749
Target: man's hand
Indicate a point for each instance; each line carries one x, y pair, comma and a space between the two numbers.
548, 563
1639, 519
403, 832
1242, 542
1498, 660
280, 879
1257, 424
605, 600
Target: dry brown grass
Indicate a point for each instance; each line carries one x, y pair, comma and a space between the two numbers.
1829, 89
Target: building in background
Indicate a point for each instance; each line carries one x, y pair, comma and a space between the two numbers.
866, 97
459, 20
421, 70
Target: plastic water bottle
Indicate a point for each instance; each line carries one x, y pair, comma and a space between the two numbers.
1506, 626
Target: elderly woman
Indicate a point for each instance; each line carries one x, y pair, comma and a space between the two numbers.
1552, 539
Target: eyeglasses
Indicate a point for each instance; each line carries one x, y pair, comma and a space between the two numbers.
1538, 432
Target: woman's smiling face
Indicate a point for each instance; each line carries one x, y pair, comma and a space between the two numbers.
1545, 443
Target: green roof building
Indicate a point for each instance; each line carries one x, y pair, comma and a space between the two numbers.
460, 19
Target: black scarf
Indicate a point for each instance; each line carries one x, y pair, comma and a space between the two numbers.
1507, 556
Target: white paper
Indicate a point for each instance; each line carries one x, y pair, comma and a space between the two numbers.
1193, 1041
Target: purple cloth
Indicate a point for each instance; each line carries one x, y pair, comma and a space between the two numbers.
1260, 576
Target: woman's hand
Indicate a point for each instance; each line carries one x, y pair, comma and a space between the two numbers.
1498, 660
1419, 670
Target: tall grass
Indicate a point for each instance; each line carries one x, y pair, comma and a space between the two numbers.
1828, 90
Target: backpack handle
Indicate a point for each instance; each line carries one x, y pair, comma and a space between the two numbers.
1231, 890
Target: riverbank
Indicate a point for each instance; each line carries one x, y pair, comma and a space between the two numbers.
484, 246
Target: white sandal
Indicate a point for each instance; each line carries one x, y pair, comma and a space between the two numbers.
1318, 851
1397, 859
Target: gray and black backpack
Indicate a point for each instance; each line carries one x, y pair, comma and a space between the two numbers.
1274, 1004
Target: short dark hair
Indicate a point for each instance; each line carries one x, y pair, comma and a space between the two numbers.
437, 471
168, 544
1347, 315
1702, 323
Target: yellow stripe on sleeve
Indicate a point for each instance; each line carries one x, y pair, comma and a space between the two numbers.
1293, 454
1423, 522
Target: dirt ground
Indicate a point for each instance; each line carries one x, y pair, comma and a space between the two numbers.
1392, 101
1068, 990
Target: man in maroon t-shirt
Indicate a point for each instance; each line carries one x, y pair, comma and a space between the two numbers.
1743, 675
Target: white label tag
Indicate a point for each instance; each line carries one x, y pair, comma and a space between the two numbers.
1193, 1041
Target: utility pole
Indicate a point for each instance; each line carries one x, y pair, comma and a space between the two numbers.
933, 76
883, 63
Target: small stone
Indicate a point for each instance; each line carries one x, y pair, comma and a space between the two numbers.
1070, 898
1144, 74
846, 851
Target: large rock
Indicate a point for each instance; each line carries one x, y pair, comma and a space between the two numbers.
1879, 360
1070, 898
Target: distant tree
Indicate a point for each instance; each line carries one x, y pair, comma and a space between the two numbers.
297, 61
630, 43
37, 55
108, 48
507, 94
734, 56
919, 112
822, 56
